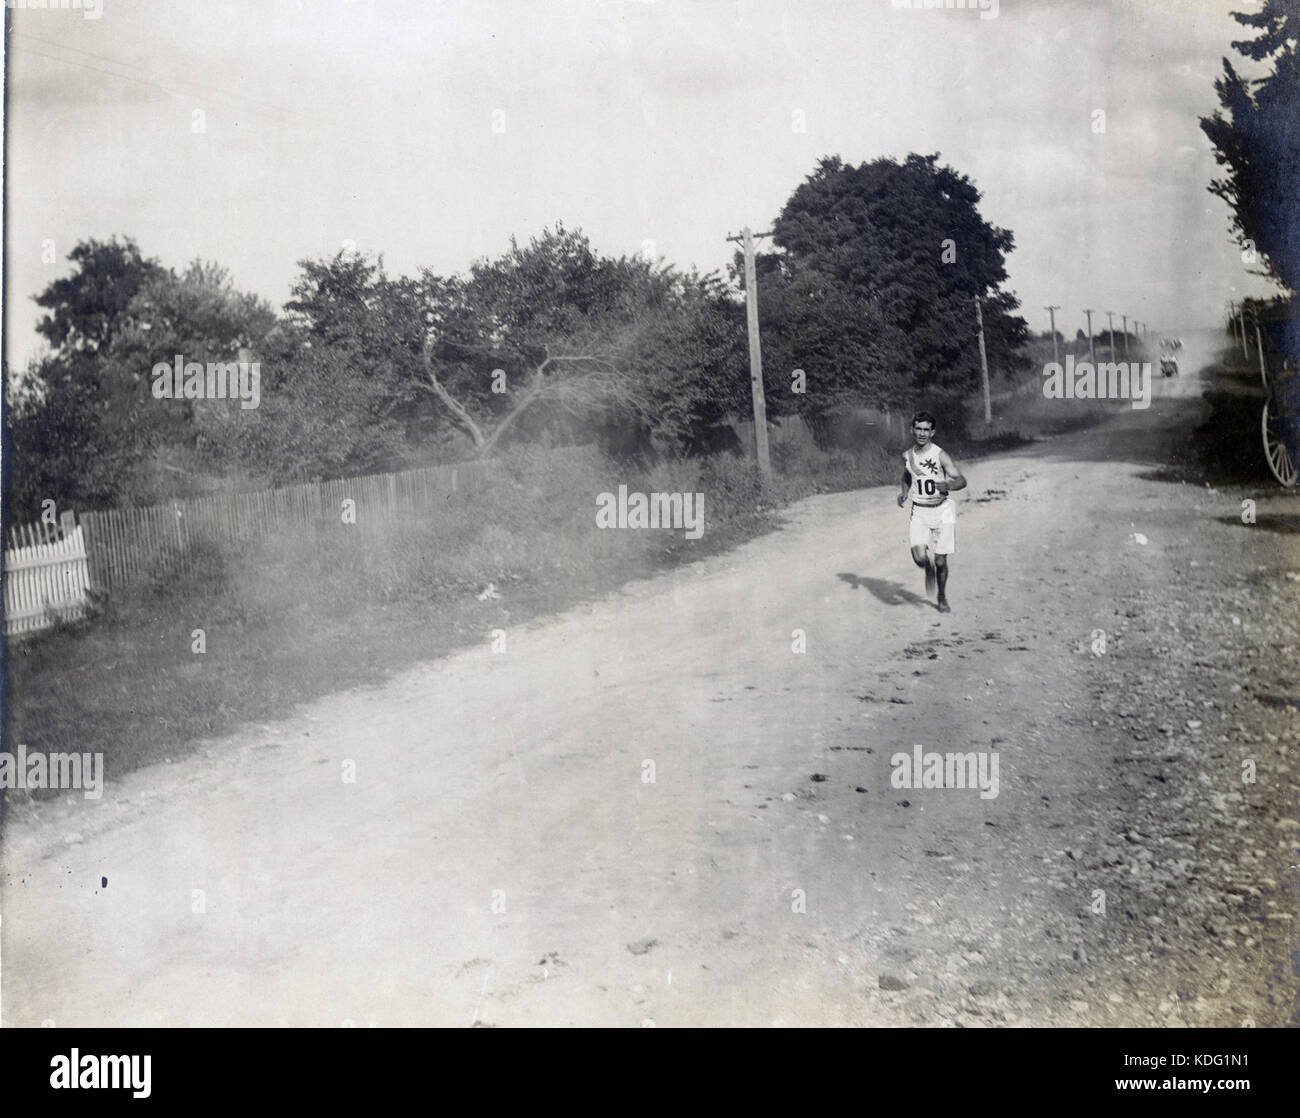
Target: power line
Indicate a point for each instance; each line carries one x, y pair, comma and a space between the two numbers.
201, 91
288, 117
109, 73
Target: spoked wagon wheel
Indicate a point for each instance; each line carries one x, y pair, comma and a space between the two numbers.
1280, 460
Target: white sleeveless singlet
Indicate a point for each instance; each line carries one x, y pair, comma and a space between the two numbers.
927, 471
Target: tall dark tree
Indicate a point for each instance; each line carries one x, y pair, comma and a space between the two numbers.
87, 431
57, 446
60, 437
872, 293
88, 307
1258, 141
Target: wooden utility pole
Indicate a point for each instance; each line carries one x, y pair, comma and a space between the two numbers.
1125, 318
1241, 319
1056, 353
984, 362
1092, 355
1110, 331
746, 240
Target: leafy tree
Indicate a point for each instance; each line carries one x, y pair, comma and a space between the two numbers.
1258, 142
87, 430
199, 316
88, 307
692, 358
838, 337
60, 445
319, 420
350, 302
338, 389
57, 447
872, 292
576, 341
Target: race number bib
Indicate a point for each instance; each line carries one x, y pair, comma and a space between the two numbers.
927, 475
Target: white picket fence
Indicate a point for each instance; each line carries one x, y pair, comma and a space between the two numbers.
49, 568
45, 581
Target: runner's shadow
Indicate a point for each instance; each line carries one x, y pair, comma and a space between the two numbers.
890, 593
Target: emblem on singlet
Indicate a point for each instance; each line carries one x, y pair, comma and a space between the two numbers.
927, 471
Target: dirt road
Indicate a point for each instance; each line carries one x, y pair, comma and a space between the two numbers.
675, 806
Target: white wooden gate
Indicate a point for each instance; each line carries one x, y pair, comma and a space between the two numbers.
45, 582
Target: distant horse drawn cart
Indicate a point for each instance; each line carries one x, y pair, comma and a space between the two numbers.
1278, 343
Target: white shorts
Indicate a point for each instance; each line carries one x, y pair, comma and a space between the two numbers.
934, 527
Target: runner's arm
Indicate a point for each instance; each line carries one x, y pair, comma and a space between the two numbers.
907, 487
952, 478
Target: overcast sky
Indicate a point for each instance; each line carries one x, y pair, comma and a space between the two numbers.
380, 122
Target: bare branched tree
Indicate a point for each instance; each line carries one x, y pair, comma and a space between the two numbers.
578, 383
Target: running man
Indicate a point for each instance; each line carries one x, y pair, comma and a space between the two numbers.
928, 476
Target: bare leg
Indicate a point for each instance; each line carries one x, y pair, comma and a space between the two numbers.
921, 557
941, 574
